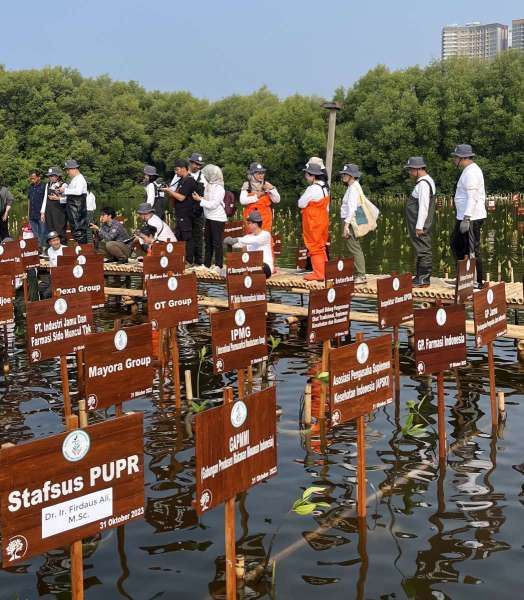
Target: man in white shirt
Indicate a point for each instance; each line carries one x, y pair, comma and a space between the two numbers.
470, 204
164, 233
420, 211
76, 193
55, 249
256, 239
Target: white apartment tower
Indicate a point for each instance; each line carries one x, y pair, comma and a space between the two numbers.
517, 29
474, 40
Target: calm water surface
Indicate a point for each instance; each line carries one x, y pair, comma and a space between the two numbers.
430, 533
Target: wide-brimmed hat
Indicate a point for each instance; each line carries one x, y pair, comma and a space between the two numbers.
71, 164
144, 208
197, 158
313, 169
415, 162
350, 169
256, 167
52, 234
150, 170
54, 171
463, 151
255, 217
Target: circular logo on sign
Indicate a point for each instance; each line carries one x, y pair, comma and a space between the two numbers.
331, 295
245, 257
164, 262
441, 316
78, 250
479, 340
22, 244
120, 339
396, 283
421, 367
248, 282
238, 414
92, 401
154, 323
382, 322
340, 265
60, 306
489, 296
1, 250
76, 445
81, 260
468, 264
240, 317
312, 336
205, 499
335, 418
16, 547
35, 355
363, 353
78, 271
172, 283
219, 365
169, 247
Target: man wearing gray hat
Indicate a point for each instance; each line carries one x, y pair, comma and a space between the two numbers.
420, 211
350, 175
470, 204
76, 193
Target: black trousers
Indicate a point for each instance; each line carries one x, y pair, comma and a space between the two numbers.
184, 233
468, 244
77, 216
4, 228
198, 238
214, 232
56, 218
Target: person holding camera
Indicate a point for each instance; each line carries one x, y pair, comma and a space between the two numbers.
53, 209
113, 238
76, 209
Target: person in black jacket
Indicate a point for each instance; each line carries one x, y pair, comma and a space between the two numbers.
6, 200
36, 195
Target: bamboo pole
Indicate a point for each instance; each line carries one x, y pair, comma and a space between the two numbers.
307, 405
189, 385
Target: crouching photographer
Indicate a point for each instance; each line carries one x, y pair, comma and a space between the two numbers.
111, 237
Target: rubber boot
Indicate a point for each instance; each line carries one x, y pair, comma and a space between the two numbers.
318, 262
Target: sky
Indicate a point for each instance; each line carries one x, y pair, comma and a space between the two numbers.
215, 48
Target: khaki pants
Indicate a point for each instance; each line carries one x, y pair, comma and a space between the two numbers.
355, 251
117, 250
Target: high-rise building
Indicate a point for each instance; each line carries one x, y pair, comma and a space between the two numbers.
474, 40
517, 34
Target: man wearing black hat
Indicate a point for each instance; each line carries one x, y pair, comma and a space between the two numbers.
76, 209
53, 209
183, 202
420, 210
470, 204
196, 162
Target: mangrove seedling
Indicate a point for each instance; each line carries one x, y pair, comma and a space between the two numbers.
202, 353
411, 429
304, 505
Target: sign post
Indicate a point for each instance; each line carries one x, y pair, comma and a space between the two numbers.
440, 344
466, 273
489, 316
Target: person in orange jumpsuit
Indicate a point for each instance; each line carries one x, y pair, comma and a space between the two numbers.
259, 194
314, 204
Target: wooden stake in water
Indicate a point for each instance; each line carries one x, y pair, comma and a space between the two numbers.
441, 416
326, 346
361, 467
492, 387
229, 514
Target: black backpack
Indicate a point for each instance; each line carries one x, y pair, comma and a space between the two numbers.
160, 204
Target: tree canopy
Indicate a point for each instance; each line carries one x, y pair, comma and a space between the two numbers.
113, 128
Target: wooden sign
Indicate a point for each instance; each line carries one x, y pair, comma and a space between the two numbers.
11, 259
162, 267
328, 313
277, 244
118, 366
73, 259
86, 249
246, 289
58, 326
7, 294
395, 300
233, 229
341, 272
177, 248
301, 258
466, 274
235, 448
440, 338
69, 486
172, 301
238, 337
68, 280
69, 251
29, 253
360, 378
244, 262
489, 313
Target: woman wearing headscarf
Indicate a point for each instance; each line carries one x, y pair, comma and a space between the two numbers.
213, 204
258, 194
314, 204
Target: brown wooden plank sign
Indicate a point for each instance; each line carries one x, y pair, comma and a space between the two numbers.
163, 266
466, 273
172, 301
68, 280
246, 262
238, 337
29, 253
246, 289
7, 293
69, 486
301, 259
118, 366
85, 249
235, 448
11, 259
58, 326
328, 313
341, 271
440, 338
360, 378
177, 248
233, 229
277, 244
395, 300
489, 314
